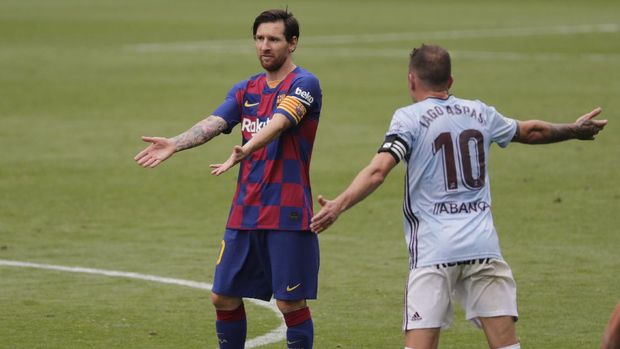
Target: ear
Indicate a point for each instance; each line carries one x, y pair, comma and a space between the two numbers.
450, 82
411, 81
292, 46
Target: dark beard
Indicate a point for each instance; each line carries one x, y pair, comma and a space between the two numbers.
275, 65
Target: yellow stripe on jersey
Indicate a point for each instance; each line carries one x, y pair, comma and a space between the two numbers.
293, 107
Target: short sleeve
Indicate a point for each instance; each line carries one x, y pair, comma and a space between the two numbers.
230, 109
303, 99
501, 128
400, 136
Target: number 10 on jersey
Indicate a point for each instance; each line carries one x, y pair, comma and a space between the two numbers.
472, 168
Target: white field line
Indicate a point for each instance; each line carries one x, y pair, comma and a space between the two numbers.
245, 46
274, 336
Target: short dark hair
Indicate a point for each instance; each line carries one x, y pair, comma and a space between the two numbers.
431, 64
291, 26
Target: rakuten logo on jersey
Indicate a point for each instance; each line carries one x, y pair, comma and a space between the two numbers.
304, 94
253, 126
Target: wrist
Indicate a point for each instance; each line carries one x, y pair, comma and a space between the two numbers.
246, 150
341, 205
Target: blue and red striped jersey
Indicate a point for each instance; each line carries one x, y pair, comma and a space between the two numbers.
273, 186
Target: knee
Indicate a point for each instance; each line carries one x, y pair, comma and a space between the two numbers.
224, 302
289, 306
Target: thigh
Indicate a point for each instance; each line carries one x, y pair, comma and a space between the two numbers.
427, 299
487, 290
294, 258
241, 269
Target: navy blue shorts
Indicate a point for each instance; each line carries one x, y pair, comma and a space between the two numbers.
261, 263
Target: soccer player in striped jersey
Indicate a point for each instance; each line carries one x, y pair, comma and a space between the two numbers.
453, 246
268, 248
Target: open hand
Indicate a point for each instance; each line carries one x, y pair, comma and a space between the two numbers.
586, 127
159, 150
327, 215
237, 155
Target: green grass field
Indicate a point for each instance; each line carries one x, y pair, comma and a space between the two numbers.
82, 80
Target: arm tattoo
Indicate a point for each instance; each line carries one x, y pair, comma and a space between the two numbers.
560, 132
584, 131
200, 133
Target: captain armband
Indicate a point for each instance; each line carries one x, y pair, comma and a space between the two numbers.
396, 146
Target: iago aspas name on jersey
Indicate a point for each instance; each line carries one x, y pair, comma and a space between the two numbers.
433, 113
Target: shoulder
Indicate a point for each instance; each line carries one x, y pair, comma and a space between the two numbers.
411, 112
306, 78
305, 87
254, 80
256, 77
251, 84
482, 105
404, 119
241, 85
305, 74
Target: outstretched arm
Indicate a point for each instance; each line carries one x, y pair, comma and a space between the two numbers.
366, 181
611, 335
268, 133
541, 132
162, 148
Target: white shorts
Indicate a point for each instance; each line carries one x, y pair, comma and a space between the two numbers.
484, 288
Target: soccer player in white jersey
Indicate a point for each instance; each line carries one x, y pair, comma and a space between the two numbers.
453, 246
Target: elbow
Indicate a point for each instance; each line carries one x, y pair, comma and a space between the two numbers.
377, 179
280, 123
534, 132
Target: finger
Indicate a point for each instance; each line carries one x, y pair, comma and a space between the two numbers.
149, 162
144, 160
600, 123
218, 171
141, 154
146, 151
215, 165
150, 139
319, 228
155, 163
322, 200
316, 228
321, 219
591, 114
318, 217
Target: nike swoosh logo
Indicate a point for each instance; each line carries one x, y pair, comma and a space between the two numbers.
289, 342
289, 288
248, 104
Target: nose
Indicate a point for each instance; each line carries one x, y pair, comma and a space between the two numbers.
263, 44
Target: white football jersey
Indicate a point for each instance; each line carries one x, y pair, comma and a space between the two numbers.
447, 204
